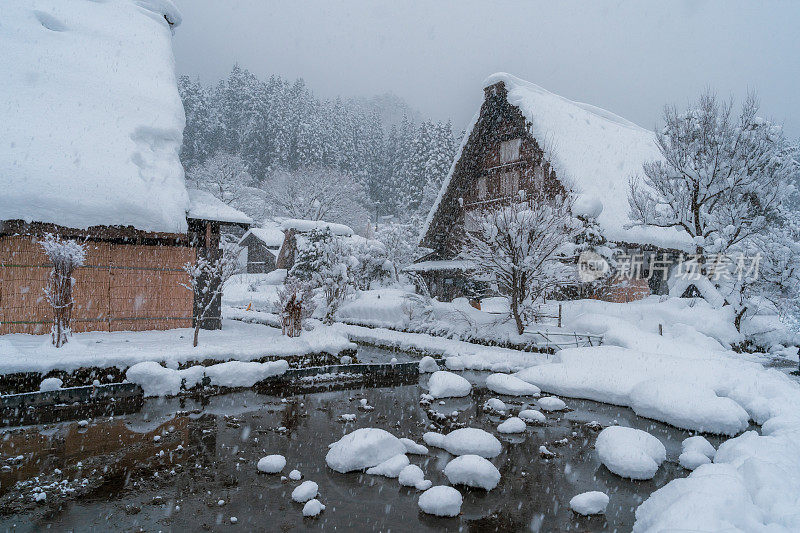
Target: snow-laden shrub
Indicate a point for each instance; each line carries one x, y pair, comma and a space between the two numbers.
66, 256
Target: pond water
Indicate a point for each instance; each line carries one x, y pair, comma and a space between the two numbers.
169, 466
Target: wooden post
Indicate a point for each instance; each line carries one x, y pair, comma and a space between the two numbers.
661, 330
559, 315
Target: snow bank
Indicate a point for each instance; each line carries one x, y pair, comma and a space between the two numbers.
271, 464
629, 452
512, 425
441, 501
466, 441
472, 471
589, 503
157, 380
444, 384
305, 491
511, 385
92, 119
363, 448
390, 467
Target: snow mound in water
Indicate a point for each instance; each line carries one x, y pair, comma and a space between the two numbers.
271, 464
413, 447
428, 364
511, 385
390, 467
305, 491
494, 404
532, 415
431, 438
454, 363
411, 476
50, 384
313, 508
363, 448
630, 453
472, 471
295, 475
696, 451
551, 403
512, 425
444, 384
588, 503
466, 441
689, 406
441, 501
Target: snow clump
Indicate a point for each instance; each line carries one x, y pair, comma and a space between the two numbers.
295, 475
532, 415
588, 503
551, 403
363, 448
472, 471
305, 491
414, 448
512, 425
511, 385
444, 384
495, 404
413, 476
630, 453
50, 384
454, 363
466, 441
696, 451
441, 501
428, 364
313, 507
271, 464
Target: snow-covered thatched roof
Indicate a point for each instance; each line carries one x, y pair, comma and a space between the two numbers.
91, 117
305, 226
270, 235
594, 153
205, 206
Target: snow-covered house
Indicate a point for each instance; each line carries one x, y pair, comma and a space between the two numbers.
523, 140
263, 246
91, 128
294, 227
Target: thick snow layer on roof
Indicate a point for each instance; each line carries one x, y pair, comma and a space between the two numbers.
304, 226
91, 117
205, 206
594, 152
446, 264
269, 236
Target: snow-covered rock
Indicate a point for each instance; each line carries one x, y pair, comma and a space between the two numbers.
512, 425
432, 438
444, 384
50, 384
629, 452
473, 471
532, 415
414, 448
295, 475
363, 448
313, 507
427, 365
390, 467
305, 491
441, 501
589, 503
271, 464
696, 451
411, 476
466, 441
551, 403
495, 404
511, 385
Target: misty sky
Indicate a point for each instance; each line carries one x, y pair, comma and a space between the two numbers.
628, 57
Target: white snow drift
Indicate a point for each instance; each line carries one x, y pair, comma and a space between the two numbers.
363, 448
629, 452
472, 471
444, 384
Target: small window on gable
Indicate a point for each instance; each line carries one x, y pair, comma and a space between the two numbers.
509, 183
509, 151
482, 189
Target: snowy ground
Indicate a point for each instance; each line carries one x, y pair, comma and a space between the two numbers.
235, 341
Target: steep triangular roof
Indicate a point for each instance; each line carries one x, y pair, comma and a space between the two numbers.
594, 154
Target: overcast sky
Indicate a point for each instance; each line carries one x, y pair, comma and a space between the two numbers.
628, 57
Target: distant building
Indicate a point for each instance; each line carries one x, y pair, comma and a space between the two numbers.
526, 140
91, 130
263, 246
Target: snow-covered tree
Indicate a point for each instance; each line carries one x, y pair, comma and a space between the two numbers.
207, 277
517, 245
224, 175
723, 179
369, 262
400, 241
318, 194
66, 256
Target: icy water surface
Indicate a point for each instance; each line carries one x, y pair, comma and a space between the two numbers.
182, 466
